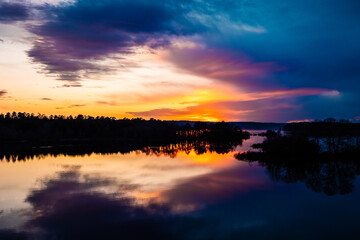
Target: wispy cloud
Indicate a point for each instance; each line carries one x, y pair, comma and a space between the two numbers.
226, 110
3, 93
77, 105
110, 103
271, 106
222, 65
72, 106
73, 84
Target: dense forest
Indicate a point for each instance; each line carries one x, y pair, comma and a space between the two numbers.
41, 128
327, 128
330, 135
309, 140
325, 155
23, 135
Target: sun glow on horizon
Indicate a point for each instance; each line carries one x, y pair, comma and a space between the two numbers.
176, 73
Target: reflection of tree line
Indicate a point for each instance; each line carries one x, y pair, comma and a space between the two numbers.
199, 147
300, 155
24, 153
330, 177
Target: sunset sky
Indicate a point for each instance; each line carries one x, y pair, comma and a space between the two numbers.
210, 60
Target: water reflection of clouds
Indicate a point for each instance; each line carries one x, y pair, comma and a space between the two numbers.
152, 174
72, 205
136, 196
214, 187
142, 177
235, 204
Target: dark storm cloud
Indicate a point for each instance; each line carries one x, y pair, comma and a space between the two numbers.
76, 35
13, 11
57, 61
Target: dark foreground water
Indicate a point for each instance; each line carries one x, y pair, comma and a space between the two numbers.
183, 195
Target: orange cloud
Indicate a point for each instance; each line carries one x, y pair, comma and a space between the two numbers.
232, 106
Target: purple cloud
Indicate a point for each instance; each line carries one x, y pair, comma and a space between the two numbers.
222, 65
75, 37
215, 187
13, 11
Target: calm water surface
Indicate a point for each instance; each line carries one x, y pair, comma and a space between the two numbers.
183, 195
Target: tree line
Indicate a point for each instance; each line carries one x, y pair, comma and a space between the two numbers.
330, 135
322, 154
54, 129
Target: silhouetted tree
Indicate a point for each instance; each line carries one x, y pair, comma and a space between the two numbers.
24, 130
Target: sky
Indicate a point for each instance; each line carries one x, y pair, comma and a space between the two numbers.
238, 60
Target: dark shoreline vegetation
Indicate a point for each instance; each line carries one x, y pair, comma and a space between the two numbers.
325, 155
24, 136
15, 153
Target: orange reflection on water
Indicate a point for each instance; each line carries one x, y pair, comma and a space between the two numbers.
208, 159
175, 174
